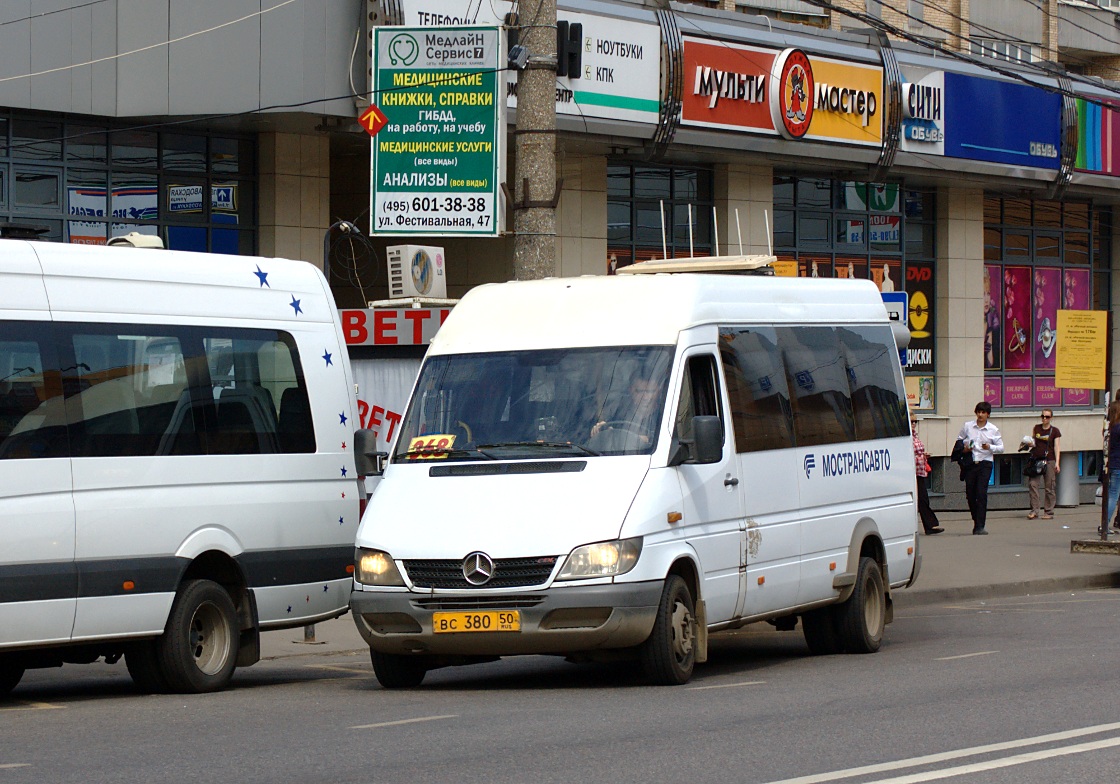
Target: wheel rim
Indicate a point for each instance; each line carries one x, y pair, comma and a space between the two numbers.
872, 608
684, 632
209, 639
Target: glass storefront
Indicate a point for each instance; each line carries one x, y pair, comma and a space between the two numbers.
85, 182
1039, 257
657, 209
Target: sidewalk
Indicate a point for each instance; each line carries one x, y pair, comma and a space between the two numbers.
1017, 558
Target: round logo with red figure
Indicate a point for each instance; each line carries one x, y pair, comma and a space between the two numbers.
791, 93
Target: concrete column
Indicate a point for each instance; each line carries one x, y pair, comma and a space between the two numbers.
294, 195
750, 190
959, 334
582, 215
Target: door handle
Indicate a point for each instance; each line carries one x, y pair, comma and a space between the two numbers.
730, 481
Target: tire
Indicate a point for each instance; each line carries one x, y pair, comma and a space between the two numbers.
669, 655
10, 675
198, 651
395, 671
861, 619
143, 665
821, 635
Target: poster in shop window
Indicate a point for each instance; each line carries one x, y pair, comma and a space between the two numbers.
993, 318
1075, 296
1017, 317
1047, 290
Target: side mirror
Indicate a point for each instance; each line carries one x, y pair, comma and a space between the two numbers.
367, 459
707, 444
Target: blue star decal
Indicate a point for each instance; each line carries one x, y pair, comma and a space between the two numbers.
340, 521
289, 608
327, 357
263, 276
326, 588
295, 304
342, 419
344, 470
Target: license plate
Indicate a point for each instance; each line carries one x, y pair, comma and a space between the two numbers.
482, 621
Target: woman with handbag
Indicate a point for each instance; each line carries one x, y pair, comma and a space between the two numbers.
1047, 452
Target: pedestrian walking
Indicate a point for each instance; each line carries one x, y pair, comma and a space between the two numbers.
921, 466
1046, 447
984, 441
1112, 452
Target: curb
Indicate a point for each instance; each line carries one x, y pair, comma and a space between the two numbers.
1005, 590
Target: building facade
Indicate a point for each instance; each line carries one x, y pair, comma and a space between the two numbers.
926, 146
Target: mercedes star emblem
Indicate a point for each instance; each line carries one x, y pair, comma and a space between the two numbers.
478, 568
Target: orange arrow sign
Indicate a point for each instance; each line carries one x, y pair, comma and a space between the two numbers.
373, 120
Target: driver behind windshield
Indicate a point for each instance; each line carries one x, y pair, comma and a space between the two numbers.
635, 422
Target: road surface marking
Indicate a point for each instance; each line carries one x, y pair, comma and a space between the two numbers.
404, 721
335, 667
32, 706
5, 765
966, 655
726, 685
1006, 762
944, 756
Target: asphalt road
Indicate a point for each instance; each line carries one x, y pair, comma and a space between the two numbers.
1016, 690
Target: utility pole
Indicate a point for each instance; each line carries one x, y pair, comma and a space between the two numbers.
534, 162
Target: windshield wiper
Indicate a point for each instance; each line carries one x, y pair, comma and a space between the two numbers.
544, 444
441, 451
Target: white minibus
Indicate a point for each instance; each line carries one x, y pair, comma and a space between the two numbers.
176, 472
605, 466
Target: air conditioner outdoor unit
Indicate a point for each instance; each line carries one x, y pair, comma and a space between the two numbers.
416, 271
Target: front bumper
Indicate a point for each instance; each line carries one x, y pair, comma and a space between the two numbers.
554, 621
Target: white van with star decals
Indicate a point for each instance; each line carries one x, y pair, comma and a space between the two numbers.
599, 467
176, 472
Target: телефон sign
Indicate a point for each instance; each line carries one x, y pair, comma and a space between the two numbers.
437, 161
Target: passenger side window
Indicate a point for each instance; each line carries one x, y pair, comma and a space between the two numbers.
873, 374
123, 386
817, 377
32, 416
756, 387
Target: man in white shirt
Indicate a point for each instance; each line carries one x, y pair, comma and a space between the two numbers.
983, 438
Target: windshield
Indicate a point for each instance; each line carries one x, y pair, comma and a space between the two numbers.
533, 404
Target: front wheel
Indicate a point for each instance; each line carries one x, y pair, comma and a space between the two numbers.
861, 619
10, 675
395, 671
669, 655
198, 651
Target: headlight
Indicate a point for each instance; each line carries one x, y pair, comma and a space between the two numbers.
602, 559
375, 567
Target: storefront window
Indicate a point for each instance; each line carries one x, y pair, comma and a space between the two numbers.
86, 182
1031, 271
657, 209
877, 231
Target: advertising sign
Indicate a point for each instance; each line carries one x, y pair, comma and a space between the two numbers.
437, 161
1098, 137
788, 93
1081, 361
620, 70
1001, 122
923, 111
392, 326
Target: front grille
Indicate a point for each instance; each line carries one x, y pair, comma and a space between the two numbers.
508, 573
499, 602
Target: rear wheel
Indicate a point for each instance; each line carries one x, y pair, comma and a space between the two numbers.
861, 619
10, 674
669, 655
821, 635
395, 671
198, 651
